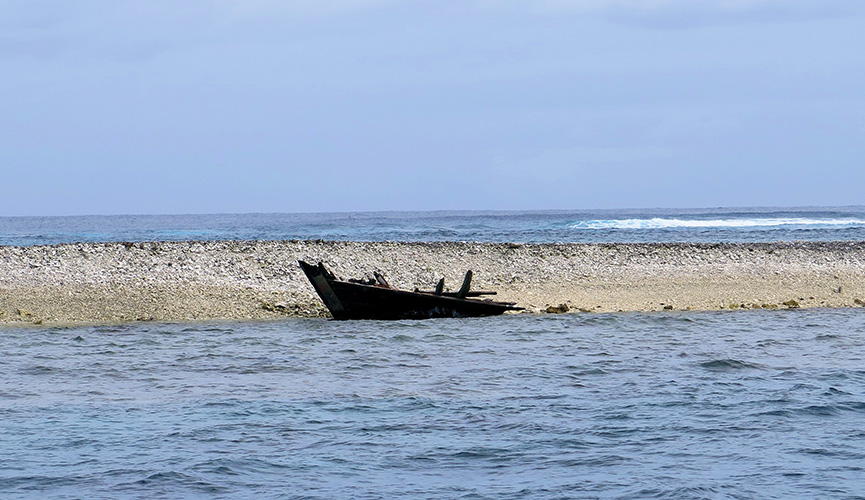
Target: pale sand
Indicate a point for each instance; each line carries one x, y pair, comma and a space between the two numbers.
194, 281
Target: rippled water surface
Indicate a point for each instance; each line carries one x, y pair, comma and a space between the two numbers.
756, 404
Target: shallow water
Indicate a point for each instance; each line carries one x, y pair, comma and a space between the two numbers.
752, 404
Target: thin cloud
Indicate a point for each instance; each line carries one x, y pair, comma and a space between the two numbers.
120, 29
299, 7
671, 14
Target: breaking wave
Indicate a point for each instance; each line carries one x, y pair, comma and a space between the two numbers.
663, 223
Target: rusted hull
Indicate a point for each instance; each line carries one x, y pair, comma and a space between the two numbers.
347, 300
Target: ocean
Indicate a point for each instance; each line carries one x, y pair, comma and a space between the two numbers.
692, 405
550, 226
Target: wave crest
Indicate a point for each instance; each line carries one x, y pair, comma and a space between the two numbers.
663, 223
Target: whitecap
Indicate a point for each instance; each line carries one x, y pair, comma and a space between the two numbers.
666, 223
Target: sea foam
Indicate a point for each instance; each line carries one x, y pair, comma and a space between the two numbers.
665, 223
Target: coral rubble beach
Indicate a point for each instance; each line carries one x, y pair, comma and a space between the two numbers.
213, 280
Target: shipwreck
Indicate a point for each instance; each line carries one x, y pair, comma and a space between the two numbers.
374, 298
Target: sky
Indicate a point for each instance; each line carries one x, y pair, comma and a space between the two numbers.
239, 106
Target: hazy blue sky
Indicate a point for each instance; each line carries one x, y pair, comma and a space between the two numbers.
202, 106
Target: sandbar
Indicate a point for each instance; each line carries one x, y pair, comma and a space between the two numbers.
93, 283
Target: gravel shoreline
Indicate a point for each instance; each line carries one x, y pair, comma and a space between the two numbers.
89, 283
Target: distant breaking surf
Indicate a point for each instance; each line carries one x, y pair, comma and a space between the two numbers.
662, 223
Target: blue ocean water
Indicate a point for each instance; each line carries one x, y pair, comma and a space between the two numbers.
720, 405
689, 225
